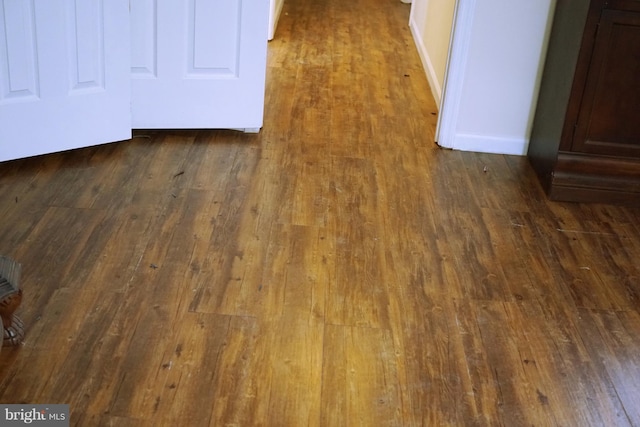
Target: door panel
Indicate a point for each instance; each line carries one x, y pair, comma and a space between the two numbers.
64, 75
213, 38
608, 117
19, 80
144, 35
198, 63
84, 42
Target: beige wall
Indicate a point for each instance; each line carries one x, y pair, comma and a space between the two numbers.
431, 22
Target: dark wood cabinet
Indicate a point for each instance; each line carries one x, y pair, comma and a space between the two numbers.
585, 141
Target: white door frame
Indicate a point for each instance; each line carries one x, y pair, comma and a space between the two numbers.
275, 8
454, 74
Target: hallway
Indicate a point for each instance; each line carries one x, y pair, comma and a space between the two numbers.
336, 269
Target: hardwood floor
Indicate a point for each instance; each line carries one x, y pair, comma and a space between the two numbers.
337, 268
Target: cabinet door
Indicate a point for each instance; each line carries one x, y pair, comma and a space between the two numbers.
609, 117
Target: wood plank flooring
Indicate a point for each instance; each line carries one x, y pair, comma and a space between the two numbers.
336, 269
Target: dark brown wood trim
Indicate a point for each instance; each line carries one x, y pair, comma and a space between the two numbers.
583, 177
631, 5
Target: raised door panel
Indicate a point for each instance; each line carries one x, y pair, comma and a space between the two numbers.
19, 81
64, 79
144, 36
198, 63
608, 121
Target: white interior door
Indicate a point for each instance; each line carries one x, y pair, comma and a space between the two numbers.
64, 75
198, 63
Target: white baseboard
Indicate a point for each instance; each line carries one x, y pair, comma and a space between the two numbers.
436, 88
490, 144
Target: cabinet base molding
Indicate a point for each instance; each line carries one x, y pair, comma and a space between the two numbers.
586, 178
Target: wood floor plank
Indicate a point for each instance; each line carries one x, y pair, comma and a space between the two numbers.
33, 377
560, 364
127, 238
427, 347
517, 399
336, 268
355, 297
307, 202
613, 348
206, 366
209, 161
290, 278
575, 257
226, 243
85, 327
293, 372
60, 258
109, 421
234, 396
359, 380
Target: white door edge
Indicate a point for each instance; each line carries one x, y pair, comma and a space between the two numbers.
459, 43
